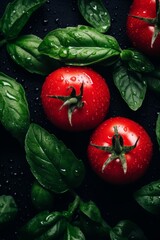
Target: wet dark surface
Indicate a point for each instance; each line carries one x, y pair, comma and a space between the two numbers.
115, 203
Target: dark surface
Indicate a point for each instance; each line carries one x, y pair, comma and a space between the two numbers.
116, 203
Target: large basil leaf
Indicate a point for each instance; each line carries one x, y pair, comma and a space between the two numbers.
16, 16
24, 51
158, 130
73, 233
52, 163
80, 45
130, 86
8, 209
136, 61
127, 230
95, 13
14, 111
148, 197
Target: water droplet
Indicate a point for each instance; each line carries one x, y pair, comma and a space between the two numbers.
63, 171
76, 173
73, 78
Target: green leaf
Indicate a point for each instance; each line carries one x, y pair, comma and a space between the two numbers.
8, 209
55, 232
95, 13
41, 198
24, 51
136, 61
49, 157
158, 130
14, 111
73, 233
91, 211
153, 81
148, 197
39, 224
80, 46
125, 230
16, 15
130, 86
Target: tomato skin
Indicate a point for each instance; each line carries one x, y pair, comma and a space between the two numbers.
96, 98
137, 159
140, 32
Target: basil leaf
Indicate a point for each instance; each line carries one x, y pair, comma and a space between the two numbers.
79, 45
24, 51
158, 130
39, 224
148, 197
55, 232
8, 209
42, 199
49, 157
137, 61
91, 211
16, 15
127, 230
73, 233
153, 81
130, 86
14, 111
95, 13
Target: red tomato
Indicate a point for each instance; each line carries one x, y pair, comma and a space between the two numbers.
75, 98
141, 32
126, 144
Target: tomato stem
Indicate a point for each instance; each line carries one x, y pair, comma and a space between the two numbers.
117, 150
72, 101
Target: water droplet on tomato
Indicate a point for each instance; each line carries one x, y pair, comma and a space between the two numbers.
73, 78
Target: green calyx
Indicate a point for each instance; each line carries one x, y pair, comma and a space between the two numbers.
117, 150
152, 21
72, 101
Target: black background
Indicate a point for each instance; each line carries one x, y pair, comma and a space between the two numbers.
116, 203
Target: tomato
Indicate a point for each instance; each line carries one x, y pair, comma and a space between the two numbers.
120, 150
75, 98
144, 33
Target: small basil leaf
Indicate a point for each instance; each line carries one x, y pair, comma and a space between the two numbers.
49, 157
24, 51
8, 209
41, 198
81, 45
39, 224
95, 13
158, 130
91, 211
137, 61
14, 111
127, 230
73, 233
148, 197
130, 86
16, 15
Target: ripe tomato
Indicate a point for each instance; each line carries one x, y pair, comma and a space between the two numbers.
75, 98
143, 31
120, 150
